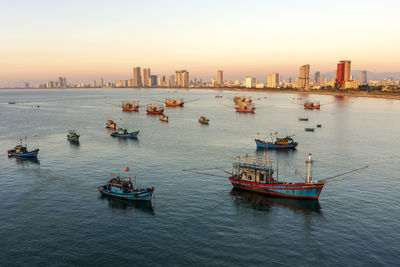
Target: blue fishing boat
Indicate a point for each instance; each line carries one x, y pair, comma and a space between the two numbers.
22, 151
279, 143
73, 136
123, 188
124, 133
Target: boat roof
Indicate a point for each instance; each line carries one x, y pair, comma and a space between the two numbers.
255, 163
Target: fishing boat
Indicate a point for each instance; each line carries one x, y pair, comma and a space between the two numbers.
155, 109
110, 124
309, 129
257, 174
242, 100
174, 102
245, 108
203, 120
303, 119
319, 125
312, 105
218, 96
73, 136
123, 188
279, 143
130, 105
11, 102
164, 118
22, 151
124, 133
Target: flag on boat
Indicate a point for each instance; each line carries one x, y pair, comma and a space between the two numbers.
127, 169
107, 118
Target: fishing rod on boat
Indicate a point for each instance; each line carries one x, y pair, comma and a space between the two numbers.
223, 171
345, 173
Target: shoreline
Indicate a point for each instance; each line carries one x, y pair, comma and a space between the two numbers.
389, 95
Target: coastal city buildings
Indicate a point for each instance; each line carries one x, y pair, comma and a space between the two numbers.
146, 78
137, 77
363, 77
343, 73
273, 80
304, 77
182, 78
220, 78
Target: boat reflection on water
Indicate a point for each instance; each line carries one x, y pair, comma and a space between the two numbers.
27, 161
122, 204
261, 202
260, 151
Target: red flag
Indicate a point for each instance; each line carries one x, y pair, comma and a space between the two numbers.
127, 169
276, 132
258, 133
120, 119
107, 118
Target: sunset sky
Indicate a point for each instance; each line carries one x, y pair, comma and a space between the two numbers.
85, 40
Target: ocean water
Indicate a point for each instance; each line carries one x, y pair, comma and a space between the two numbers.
51, 213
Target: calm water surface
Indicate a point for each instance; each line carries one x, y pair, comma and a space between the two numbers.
51, 213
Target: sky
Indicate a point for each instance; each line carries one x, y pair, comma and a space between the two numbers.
86, 40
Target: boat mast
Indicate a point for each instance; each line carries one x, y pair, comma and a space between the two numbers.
309, 169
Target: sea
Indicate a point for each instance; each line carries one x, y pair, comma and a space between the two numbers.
52, 214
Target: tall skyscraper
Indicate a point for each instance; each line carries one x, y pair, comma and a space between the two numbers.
137, 78
146, 77
363, 77
182, 78
343, 72
153, 80
273, 80
101, 82
304, 77
220, 78
317, 76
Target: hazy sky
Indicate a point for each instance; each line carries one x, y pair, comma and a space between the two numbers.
84, 40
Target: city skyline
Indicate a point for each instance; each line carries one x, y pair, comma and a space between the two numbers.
93, 39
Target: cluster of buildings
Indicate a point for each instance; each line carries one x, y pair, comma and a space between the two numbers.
341, 78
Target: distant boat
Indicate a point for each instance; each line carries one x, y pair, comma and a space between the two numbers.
312, 105
164, 118
11, 102
110, 124
155, 109
303, 119
124, 133
319, 125
280, 143
309, 129
218, 96
73, 136
130, 105
22, 151
123, 188
203, 120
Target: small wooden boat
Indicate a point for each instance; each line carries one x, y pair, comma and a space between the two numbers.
303, 119
309, 129
218, 96
312, 105
110, 124
245, 108
73, 136
155, 109
164, 118
174, 102
22, 151
124, 133
123, 188
130, 105
203, 120
279, 143
11, 102
319, 125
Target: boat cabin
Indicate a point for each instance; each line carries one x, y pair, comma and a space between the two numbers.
253, 169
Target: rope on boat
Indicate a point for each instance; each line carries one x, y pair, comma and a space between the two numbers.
203, 173
338, 175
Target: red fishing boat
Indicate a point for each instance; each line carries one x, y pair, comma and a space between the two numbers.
245, 108
155, 109
312, 105
174, 102
130, 105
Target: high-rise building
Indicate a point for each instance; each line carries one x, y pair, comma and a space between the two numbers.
273, 80
182, 78
220, 78
146, 77
363, 77
27, 85
93, 84
249, 82
153, 80
304, 77
137, 78
317, 76
343, 72
101, 82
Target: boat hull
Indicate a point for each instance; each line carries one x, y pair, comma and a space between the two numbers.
269, 145
30, 154
136, 196
171, 105
295, 190
158, 112
312, 107
129, 135
249, 110
73, 139
131, 109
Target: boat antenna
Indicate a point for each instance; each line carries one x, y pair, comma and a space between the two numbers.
309, 169
26, 142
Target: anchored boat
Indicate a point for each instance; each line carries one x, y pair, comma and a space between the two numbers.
164, 118
130, 105
203, 120
309, 129
174, 102
22, 151
303, 119
123, 188
312, 105
110, 124
279, 143
242, 100
73, 136
124, 133
256, 174
156, 109
245, 108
